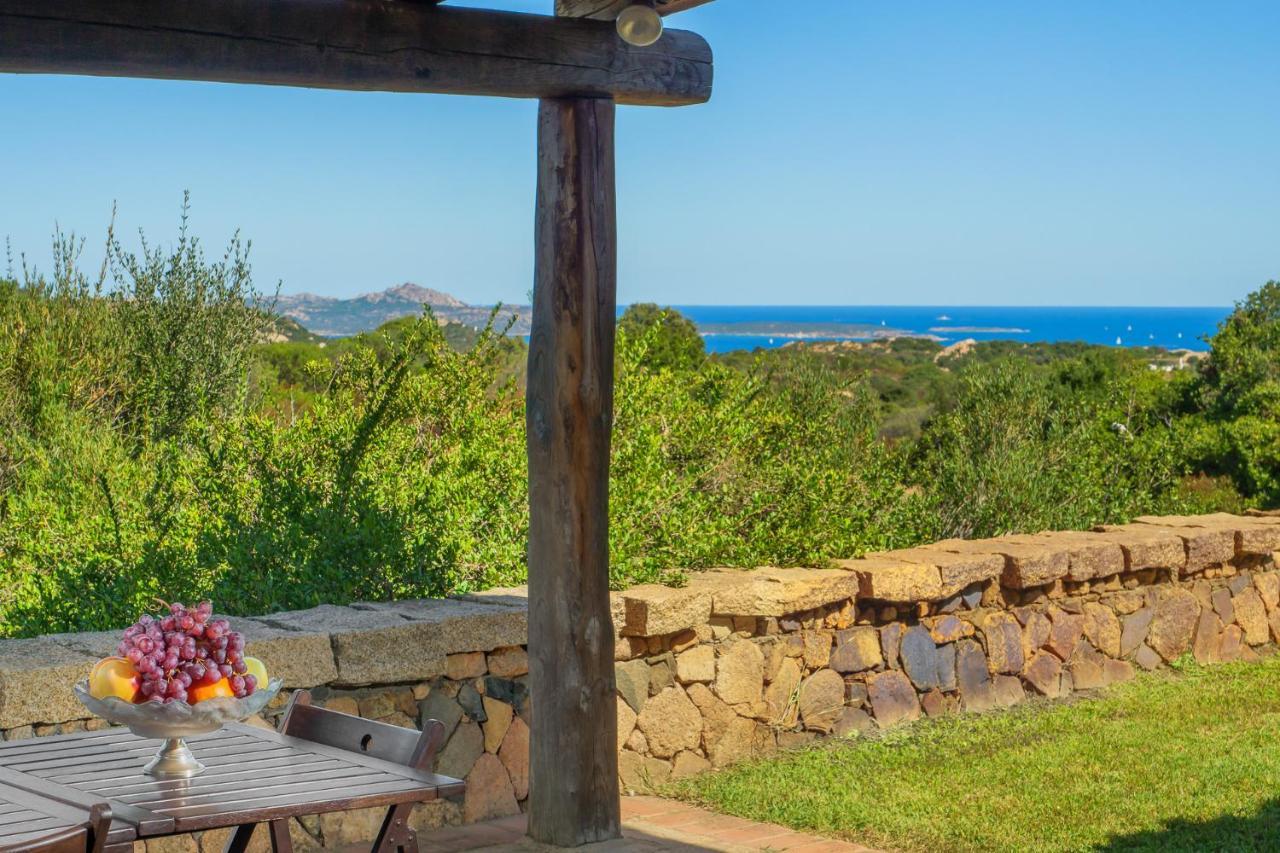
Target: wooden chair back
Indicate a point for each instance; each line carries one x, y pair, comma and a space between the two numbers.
90, 838
367, 737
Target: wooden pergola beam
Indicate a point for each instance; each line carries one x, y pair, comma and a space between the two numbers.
352, 44
607, 10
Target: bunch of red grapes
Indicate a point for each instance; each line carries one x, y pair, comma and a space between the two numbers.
183, 650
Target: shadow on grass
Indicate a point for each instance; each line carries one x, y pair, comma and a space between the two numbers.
1259, 832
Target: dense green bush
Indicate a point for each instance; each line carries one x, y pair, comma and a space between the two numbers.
1027, 449
1237, 422
156, 442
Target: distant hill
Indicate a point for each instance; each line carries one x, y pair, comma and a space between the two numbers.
340, 318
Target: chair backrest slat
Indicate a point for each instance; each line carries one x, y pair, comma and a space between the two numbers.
356, 734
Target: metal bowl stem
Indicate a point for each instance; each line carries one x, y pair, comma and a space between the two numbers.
174, 761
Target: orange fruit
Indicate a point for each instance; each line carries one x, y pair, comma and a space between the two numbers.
218, 690
114, 677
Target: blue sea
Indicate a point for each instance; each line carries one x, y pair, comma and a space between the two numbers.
726, 328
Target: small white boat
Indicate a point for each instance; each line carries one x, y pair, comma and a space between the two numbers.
1118, 341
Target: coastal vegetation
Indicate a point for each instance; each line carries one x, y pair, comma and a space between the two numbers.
164, 434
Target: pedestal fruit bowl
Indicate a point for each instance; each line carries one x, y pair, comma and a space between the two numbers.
173, 722
178, 676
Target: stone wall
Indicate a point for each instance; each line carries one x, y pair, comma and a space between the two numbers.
741, 663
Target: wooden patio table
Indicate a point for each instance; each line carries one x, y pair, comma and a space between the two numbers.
253, 775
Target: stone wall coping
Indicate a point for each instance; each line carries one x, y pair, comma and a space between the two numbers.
409, 642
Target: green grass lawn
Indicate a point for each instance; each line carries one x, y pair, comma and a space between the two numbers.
1185, 760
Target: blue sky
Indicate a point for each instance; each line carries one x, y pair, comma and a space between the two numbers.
853, 153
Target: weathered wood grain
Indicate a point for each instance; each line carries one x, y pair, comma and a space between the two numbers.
607, 10
352, 44
573, 786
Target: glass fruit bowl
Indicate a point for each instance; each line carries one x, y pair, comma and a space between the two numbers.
174, 721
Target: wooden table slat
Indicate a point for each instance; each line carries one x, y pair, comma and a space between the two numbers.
14, 750
208, 817
76, 758
335, 784
122, 785
105, 768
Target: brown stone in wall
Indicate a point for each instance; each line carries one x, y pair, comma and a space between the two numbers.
465, 665
1206, 646
1124, 603
1147, 547
780, 696
973, 677
661, 672
955, 571
1268, 586
1117, 671
778, 592
948, 629
1205, 547
498, 720
1065, 631
670, 722
1025, 565
933, 703
716, 715
947, 666
1086, 668
1044, 674
1003, 638
688, 764
1035, 633
886, 578
1133, 632
1147, 658
857, 649
652, 609
736, 744
919, 657
1232, 644
514, 755
852, 721
740, 672
1088, 556
1102, 628
821, 700
774, 654
817, 648
1173, 623
632, 679
1251, 616
461, 752
626, 721
696, 664
890, 639
1007, 690
893, 699
1220, 599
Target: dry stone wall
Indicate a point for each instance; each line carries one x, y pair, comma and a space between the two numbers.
739, 663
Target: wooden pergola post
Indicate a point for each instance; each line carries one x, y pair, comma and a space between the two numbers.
573, 785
